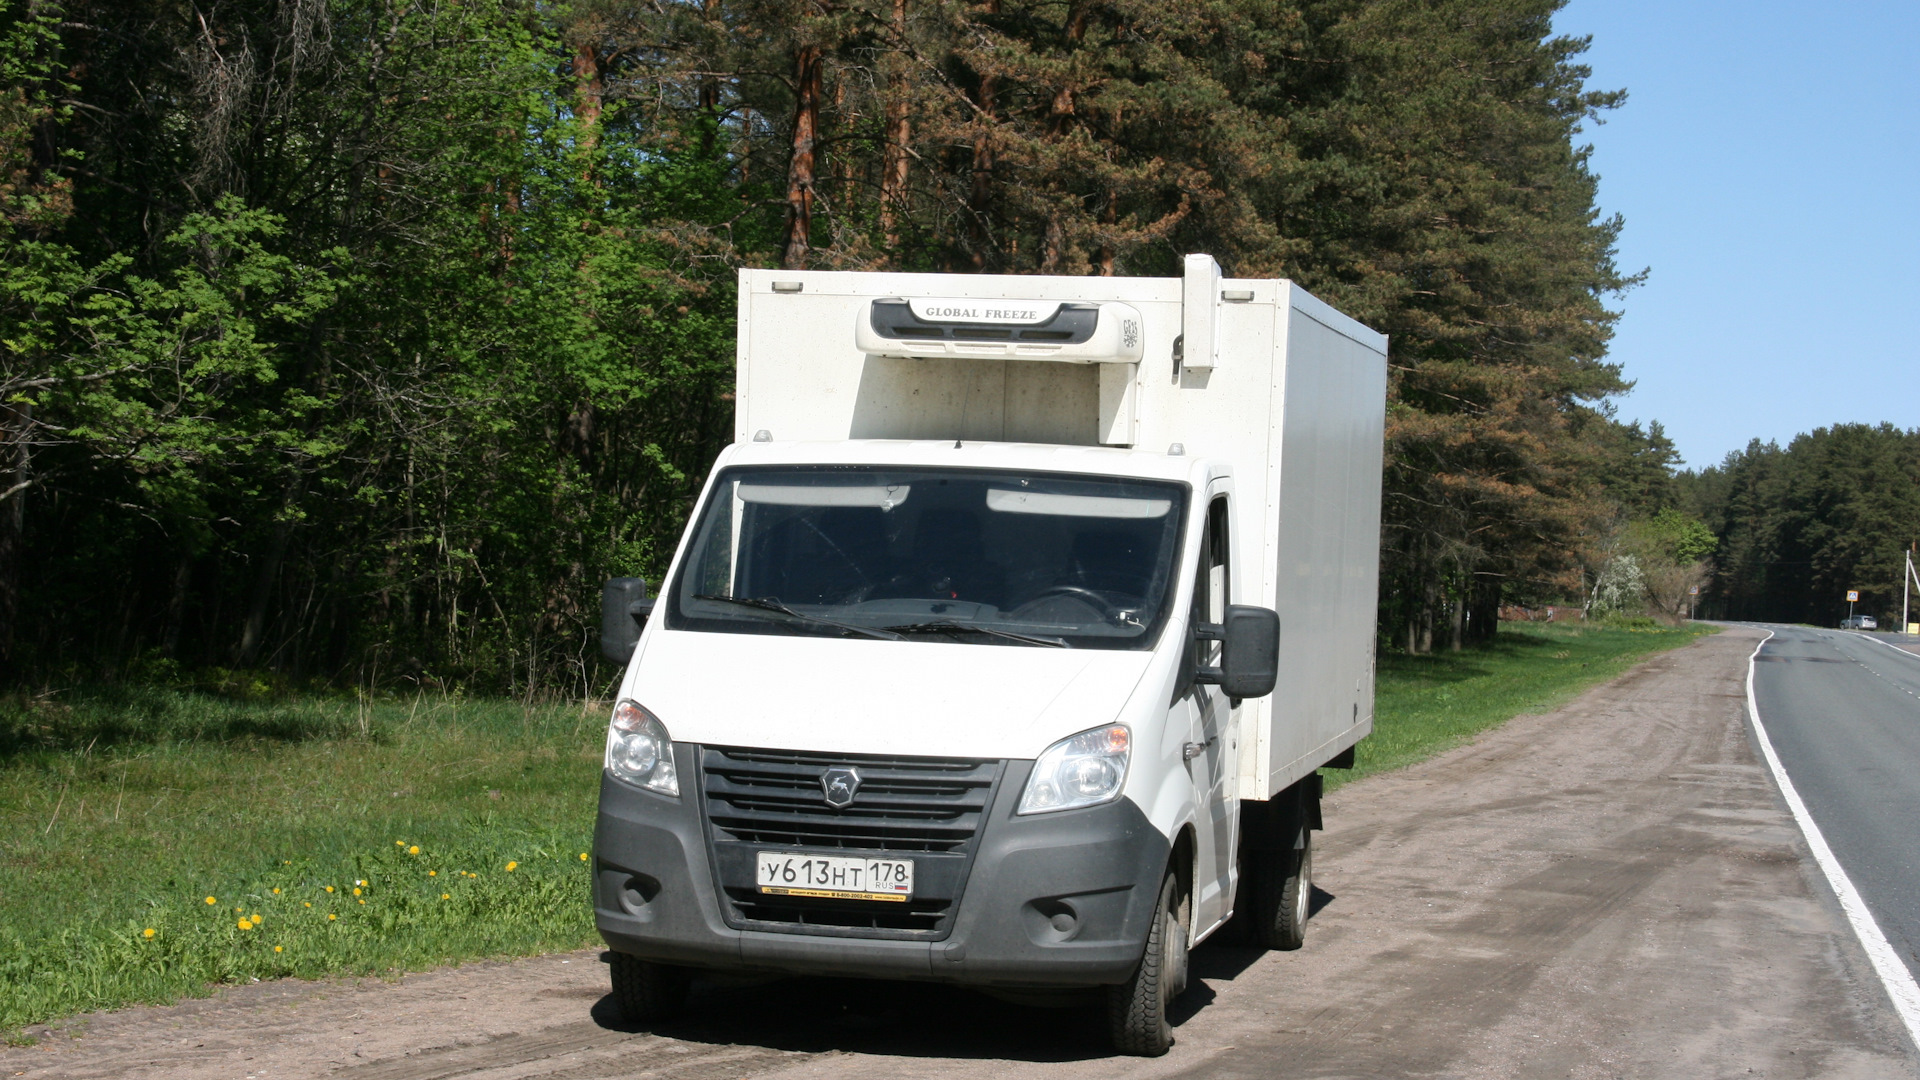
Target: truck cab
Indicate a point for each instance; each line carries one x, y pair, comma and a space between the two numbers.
953, 678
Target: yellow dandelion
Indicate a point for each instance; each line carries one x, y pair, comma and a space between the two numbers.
399, 843
211, 901
583, 856
276, 948
238, 910
276, 892
244, 924
255, 918
148, 932
363, 901
330, 918
356, 892
446, 896
433, 873
309, 903
358, 881
329, 888
414, 850
511, 866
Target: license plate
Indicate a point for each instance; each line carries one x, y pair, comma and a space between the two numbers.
788, 873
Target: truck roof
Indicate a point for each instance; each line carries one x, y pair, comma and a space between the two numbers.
969, 454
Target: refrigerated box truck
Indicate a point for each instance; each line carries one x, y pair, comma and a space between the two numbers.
1005, 640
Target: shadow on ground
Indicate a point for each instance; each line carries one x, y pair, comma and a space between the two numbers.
903, 1019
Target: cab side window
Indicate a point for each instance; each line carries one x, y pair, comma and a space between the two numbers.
1213, 586
1219, 592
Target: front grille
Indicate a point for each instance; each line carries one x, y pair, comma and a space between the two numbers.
905, 804
917, 917
928, 809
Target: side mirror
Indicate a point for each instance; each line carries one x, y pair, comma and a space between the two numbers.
1249, 651
624, 607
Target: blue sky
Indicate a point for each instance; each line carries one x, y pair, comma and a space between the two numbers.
1767, 163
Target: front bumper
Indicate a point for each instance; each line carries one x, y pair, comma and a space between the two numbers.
1051, 900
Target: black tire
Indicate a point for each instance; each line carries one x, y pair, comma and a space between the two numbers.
647, 992
1137, 1008
1282, 892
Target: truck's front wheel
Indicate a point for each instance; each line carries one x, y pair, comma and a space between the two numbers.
645, 991
1137, 1008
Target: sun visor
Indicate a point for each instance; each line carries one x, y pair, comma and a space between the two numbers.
1064, 331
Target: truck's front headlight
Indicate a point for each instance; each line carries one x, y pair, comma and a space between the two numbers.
1080, 770
640, 750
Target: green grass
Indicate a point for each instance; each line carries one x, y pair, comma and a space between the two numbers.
1426, 704
122, 811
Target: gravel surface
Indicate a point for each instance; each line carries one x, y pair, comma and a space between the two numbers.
1610, 890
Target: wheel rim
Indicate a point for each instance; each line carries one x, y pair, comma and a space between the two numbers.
1304, 893
1169, 965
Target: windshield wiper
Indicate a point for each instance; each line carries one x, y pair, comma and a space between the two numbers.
763, 604
948, 626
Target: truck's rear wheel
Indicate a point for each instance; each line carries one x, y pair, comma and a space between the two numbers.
1137, 1008
645, 991
1282, 894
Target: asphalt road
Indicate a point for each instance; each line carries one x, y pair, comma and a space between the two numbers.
1612, 889
1843, 713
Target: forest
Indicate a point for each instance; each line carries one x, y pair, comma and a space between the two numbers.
355, 342
1834, 511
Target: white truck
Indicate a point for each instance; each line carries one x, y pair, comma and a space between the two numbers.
1005, 641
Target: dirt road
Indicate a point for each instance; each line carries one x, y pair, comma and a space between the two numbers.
1611, 890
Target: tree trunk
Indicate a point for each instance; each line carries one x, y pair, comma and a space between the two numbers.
15, 424
588, 100
1108, 216
177, 606
709, 85
893, 163
1059, 123
840, 161
1484, 617
980, 198
1053, 243
253, 631
800, 167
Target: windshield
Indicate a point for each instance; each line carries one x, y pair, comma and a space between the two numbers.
992, 558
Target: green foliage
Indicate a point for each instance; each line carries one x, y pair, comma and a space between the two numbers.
175, 380
123, 812
1800, 526
401, 390
1424, 705
356, 341
1680, 537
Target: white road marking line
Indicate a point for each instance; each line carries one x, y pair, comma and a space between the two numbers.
1886, 963
1877, 641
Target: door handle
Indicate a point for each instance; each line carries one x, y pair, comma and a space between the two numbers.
1195, 749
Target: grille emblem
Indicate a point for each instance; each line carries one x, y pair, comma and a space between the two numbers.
840, 785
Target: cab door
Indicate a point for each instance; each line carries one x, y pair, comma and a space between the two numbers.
1212, 743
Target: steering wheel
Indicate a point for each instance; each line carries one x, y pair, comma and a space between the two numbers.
1100, 604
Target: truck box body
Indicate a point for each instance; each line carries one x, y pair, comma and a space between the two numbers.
1294, 400
1005, 640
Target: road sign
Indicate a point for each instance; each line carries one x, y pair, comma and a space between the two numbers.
1853, 596
1693, 590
